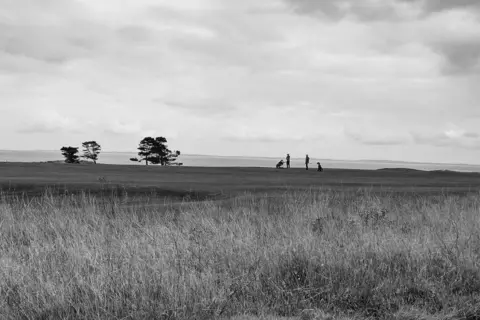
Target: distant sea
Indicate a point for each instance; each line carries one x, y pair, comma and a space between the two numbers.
122, 158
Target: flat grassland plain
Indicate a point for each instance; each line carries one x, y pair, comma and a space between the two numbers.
138, 242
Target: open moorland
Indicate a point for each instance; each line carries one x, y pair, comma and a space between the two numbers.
127, 242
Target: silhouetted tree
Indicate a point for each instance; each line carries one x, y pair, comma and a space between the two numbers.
155, 151
91, 149
70, 154
172, 156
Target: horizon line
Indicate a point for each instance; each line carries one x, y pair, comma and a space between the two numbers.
271, 157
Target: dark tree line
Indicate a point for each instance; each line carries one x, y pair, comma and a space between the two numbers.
151, 150
70, 154
91, 150
155, 151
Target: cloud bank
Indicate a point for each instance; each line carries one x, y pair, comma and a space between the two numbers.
391, 79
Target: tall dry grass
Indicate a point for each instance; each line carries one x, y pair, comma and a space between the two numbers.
313, 254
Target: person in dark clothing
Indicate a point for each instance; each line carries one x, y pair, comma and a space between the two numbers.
288, 160
307, 161
319, 167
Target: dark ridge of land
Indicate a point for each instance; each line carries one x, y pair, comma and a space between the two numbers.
401, 169
207, 182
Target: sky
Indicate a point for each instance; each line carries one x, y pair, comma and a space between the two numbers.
339, 79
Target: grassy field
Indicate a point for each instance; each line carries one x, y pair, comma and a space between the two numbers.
203, 182
325, 246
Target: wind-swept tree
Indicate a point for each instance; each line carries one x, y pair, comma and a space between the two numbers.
155, 151
172, 157
70, 154
91, 149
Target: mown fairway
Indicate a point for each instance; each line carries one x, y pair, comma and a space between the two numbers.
205, 182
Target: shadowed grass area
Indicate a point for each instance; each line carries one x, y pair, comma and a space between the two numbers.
206, 183
313, 254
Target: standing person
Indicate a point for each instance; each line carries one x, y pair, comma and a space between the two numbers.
288, 160
307, 161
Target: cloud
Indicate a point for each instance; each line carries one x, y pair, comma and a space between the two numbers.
343, 114
473, 135
455, 137
460, 58
326, 8
243, 77
451, 29
135, 34
268, 137
378, 10
456, 37
49, 121
135, 128
52, 121
365, 10
50, 31
204, 107
120, 127
47, 44
376, 139
435, 6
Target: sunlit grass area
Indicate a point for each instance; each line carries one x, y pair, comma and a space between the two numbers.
312, 254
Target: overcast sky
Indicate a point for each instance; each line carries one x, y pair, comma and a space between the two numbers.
347, 79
